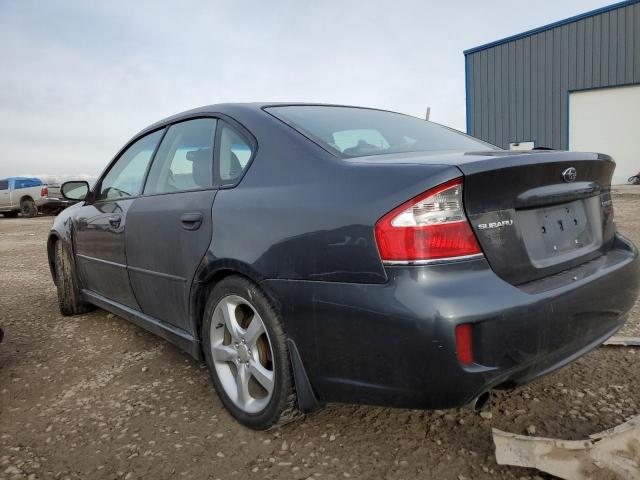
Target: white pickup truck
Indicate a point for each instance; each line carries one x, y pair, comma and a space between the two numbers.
28, 196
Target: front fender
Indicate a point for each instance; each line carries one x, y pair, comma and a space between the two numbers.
62, 230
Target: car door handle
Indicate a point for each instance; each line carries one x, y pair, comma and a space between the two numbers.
114, 220
191, 221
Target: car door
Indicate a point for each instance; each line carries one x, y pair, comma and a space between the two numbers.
100, 226
169, 227
5, 199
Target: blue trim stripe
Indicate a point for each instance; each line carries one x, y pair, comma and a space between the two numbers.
559, 23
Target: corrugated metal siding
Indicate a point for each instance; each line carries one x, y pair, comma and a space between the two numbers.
518, 91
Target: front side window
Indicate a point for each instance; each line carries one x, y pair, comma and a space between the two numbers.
185, 158
4, 184
357, 132
233, 155
125, 177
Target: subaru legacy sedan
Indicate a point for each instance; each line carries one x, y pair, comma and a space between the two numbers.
321, 253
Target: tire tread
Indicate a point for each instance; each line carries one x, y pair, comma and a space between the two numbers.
69, 301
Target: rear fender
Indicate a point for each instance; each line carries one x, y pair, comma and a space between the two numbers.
211, 272
26, 197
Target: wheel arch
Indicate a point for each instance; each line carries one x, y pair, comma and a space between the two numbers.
26, 197
308, 400
51, 254
53, 238
207, 276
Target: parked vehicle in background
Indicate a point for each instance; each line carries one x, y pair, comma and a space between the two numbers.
314, 253
28, 196
52, 199
635, 180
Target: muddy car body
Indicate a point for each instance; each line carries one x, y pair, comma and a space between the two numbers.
337, 254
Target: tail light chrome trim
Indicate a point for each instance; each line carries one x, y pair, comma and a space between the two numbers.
435, 261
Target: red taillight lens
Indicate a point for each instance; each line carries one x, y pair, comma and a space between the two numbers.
44, 191
430, 226
464, 347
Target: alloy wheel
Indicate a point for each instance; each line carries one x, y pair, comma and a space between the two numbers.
242, 354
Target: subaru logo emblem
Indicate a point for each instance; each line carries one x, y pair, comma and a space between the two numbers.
569, 175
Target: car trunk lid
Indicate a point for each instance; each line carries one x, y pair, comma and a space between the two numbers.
529, 219
538, 213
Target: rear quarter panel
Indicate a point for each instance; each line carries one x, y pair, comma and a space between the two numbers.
301, 213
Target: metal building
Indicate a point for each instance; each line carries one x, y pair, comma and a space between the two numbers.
573, 84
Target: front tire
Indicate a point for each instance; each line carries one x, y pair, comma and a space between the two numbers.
245, 349
69, 299
28, 208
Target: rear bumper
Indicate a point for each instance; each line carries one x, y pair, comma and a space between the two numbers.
394, 344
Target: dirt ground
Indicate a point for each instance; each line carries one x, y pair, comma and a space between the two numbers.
96, 397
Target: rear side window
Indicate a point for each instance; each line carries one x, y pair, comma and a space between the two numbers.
125, 177
234, 153
4, 184
26, 183
185, 158
356, 132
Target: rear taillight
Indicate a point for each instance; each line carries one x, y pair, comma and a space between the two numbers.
44, 191
431, 226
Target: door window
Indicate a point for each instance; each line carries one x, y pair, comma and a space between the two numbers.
233, 156
125, 177
4, 184
185, 158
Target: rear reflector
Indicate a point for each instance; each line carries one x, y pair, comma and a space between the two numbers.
464, 347
430, 226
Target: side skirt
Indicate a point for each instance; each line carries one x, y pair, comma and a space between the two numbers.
180, 338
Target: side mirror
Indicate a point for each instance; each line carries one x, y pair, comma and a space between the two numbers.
75, 190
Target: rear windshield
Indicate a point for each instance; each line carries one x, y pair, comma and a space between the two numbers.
357, 132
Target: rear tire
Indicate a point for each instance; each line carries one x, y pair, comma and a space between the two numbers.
28, 208
244, 360
69, 299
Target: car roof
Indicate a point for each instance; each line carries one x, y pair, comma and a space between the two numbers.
232, 109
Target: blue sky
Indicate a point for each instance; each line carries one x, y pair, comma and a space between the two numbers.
78, 79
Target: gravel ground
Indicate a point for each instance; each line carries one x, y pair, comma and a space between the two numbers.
96, 397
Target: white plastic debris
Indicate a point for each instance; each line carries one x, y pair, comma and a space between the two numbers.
614, 453
624, 341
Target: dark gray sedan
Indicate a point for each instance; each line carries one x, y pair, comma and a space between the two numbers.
319, 253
